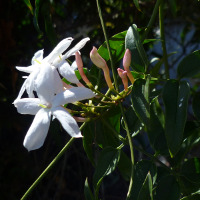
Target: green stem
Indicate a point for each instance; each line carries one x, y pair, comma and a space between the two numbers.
131, 151
152, 20
108, 46
49, 167
162, 35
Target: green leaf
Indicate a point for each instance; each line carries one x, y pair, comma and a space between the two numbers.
190, 176
175, 97
134, 124
173, 7
191, 138
190, 65
141, 170
106, 164
167, 189
28, 3
50, 31
155, 130
36, 14
136, 2
195, 196
87, 191
195, 105
124, 166
140, 102
191, 170
139, 60
146, 190
117, 47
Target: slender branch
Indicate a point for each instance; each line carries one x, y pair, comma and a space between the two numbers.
131, 150
152, 20
108, 46
50, 166
162, 35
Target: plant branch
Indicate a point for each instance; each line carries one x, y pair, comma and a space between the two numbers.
152, 19
50, 166
108, 46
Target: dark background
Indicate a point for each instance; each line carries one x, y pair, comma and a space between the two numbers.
19, 40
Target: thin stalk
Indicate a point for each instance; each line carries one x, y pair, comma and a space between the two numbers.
162, 36
152, 19
108, 47
131, 150
117, 89
50, 166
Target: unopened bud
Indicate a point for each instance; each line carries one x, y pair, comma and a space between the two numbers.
123, 76
101, 63
97, 59
127, 63
79, 63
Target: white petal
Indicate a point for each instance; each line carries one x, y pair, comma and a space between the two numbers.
27, 105
76, 48
74, 65
67, 72
38, 57
38, 130
72, 95
28, 69
58, 83
44, 83
67, 121
59, 49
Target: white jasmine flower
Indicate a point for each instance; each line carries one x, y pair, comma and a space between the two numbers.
51, 62
43, 110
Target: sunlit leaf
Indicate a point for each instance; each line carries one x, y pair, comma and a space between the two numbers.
139, 60
175, 97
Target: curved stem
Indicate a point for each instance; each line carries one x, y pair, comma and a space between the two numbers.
162, 35
131, 150
108, 46
152, 20
50, 166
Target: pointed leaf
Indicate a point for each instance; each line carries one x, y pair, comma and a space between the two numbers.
106, 164
168, 188
28, 3
136, 2
139, 58
175, 97
190, 65
87, 191
141, 170
146, 190
140, 102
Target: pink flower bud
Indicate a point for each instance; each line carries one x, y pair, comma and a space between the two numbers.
123, 76
79, 63
97, 59
101, 63
127, 63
